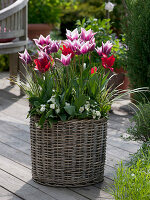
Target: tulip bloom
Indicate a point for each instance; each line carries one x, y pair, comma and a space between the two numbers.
25, 57
104, 49
43, 62
86, 35
66, 51
84, 48
72, 35
107, 63
53, 47
42, 41
93, 70
65, 60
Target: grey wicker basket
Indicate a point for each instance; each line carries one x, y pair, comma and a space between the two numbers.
70, 154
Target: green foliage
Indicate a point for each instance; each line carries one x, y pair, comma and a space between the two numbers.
138, 41
133, 182
4, 65
78, 9
104, 33
66, 94
44, 11
140, 127
143, 154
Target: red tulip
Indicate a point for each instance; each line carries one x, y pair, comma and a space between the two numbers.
108, 62
93, 70
66, 51
43, 62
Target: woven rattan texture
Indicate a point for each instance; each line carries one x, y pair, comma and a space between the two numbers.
70, 153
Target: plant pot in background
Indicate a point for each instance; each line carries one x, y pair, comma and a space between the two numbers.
69, 154
35, 30
120, 77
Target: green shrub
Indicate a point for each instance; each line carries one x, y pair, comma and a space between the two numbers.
44, 11
140, 124
138, 41
4, 65
133, 183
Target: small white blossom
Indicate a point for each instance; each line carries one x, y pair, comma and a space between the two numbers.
67, 104
95, 20
57, 110
94, 114
81, 109
98, 113
52, 99
42, 109
52, 106
109, 6
84, 65
87, 107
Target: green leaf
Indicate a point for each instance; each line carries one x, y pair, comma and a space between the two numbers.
70, 110
37, 103
80, 101
42, 119
63, 117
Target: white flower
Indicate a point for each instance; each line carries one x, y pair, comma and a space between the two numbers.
84, 65
95, 20
67, 104
57, 110
42, 109
87, 106
52, 106
94, 112
109, 6
98, 113
81, 109
94, 116
52, 99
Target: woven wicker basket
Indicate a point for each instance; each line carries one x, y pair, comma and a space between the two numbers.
70, 153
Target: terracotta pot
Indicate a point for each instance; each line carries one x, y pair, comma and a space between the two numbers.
35, 30
122, 78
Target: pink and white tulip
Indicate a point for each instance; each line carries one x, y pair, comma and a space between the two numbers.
65, 60
25, 57
86, 35
72, 35
104, 49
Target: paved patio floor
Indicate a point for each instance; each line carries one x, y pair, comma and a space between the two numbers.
15, 164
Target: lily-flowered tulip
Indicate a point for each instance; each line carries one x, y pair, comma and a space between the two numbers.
53, 47
66, 51
86, 35
93, 70
42, 41
25, 57
43, 62
99, 51
92, 44
104, 49
84, 48
72, 35
65, 59
107, 63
